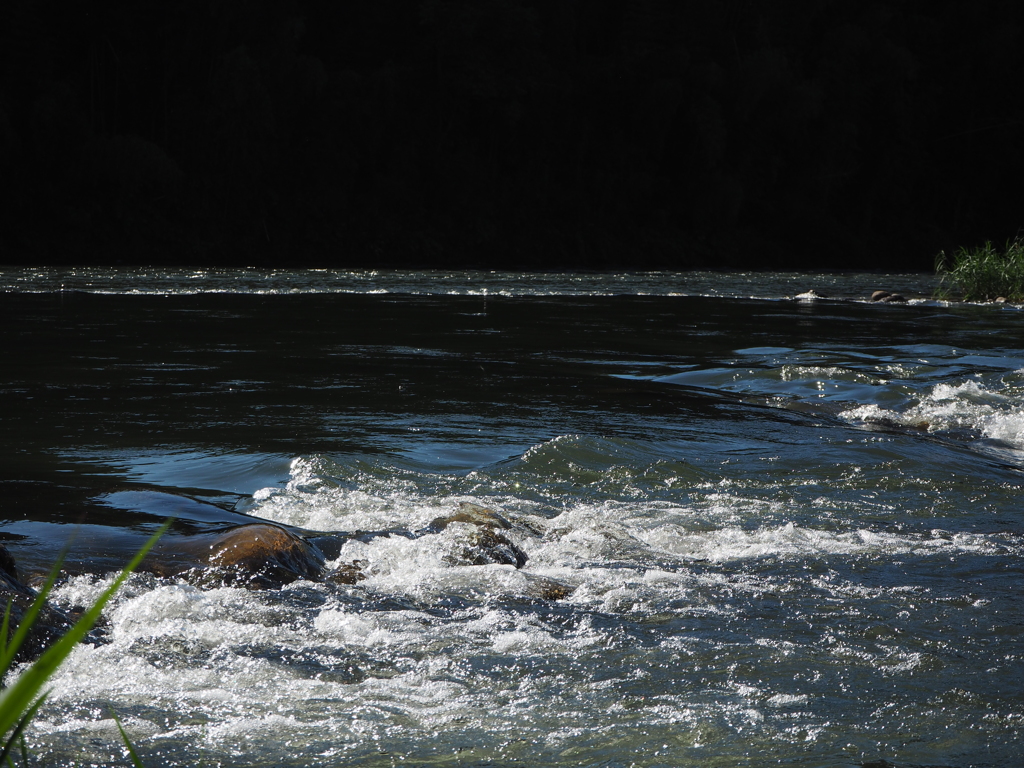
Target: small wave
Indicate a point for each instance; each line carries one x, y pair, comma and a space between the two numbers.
969, 407
696, 522
325, 495
792, 541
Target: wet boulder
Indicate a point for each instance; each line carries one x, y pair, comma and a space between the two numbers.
487, 547
484, 539
255, 555
887, 297
471, 513
491, 543
487, 544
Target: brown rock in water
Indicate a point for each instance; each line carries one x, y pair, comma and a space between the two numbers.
472, 513
887, 297
554, 590
487, 546
257, 555
348, 573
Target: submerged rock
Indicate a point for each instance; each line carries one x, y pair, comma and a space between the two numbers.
8, 568
348, 573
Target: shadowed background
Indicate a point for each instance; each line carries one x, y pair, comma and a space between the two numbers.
508, 133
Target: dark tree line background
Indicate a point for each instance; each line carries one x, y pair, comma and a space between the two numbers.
509, 133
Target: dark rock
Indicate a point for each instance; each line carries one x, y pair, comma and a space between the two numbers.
330, 544
487, 545
7, 564
887, 297
549, 589
348, 573
257, 556
50, 624
472, 513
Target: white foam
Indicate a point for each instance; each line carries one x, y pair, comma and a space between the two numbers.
248, 663
312, 499
969, 405
373, 629
794, 541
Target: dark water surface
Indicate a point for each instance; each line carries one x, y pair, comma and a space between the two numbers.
792, 526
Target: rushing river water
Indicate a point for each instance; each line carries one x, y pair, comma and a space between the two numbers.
791, 526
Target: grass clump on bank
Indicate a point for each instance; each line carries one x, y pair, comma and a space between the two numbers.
983, 273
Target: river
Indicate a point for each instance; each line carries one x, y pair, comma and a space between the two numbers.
790, 523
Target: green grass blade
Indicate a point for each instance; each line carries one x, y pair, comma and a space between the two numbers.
983, 273
28, 620
136, 761
19, 697
14, 737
